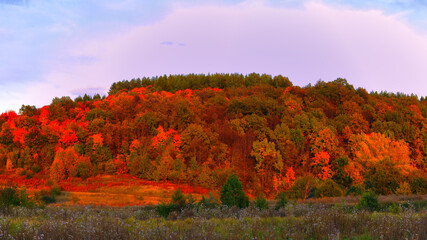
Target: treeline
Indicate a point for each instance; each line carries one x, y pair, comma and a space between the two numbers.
173, 83
323, 140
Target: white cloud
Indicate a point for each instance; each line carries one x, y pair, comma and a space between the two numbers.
368, 48
317, 41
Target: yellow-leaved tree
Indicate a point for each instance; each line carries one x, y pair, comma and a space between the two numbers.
370, 149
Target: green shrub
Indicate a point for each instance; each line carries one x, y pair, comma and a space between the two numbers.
178, 199
355, 190
261, 202
10, 196
55, 190
232, 193
383, 178
210, 202
328, 188
281, 201
164, 209
419, 185
29, 175
36, 168
369, 201
82, 170
177, 203
303, 187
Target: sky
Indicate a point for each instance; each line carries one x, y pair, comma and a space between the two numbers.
54, 48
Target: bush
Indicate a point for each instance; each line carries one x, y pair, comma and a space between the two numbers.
164, 209
383, 178
36, 168
177, 203
83, 170
47, 197
55, 190
232, 193
10, 196
210, 202
404, 189
303, 187
29, 175
261, 203
178, 199
369, 201
281, 201
328, 188
419, 185
355, 190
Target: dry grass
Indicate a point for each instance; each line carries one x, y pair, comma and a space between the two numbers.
119, 191
296, 221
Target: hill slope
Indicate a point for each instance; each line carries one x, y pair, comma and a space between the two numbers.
198, 129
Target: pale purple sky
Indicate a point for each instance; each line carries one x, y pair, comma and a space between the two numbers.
54, 48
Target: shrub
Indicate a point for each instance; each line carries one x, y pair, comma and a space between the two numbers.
83, 170
164, 209
36, 168
232, 193
210, 202
281, 201
177, 203
404, 189
302, 187
55, 190
47, 197
419, 185
261, 202
369, 201
328, 188
29, 175
178, 199
355, 190
383, 178
10, 196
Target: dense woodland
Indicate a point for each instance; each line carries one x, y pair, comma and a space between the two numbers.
198, 129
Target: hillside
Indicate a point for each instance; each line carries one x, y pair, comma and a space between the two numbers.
198, 129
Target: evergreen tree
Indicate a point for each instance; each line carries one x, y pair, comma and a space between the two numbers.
232, 193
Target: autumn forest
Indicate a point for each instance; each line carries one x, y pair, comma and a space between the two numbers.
199, 129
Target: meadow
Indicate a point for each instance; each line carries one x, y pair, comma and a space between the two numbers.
402, 217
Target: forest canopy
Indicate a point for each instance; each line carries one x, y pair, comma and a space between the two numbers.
199, 129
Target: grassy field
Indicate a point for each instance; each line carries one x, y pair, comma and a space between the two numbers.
122, 207
106, 190
407, 220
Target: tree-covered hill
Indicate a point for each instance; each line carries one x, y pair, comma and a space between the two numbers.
199, 129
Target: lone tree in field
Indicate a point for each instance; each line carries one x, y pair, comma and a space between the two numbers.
232, 193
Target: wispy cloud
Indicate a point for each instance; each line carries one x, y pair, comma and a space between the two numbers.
170, 43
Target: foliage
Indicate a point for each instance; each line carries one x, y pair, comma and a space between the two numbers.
404, 189
197, 129
356, 190
281, 201
12, 196
261, 202
209, 202
177, 203
369, 201
303, 187
232, 193
328, 188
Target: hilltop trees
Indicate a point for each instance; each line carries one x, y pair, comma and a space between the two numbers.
198, 129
